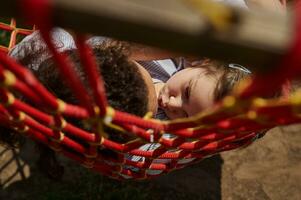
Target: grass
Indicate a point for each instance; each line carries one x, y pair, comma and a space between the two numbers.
78, 183
4, 35
88, 185
4, 38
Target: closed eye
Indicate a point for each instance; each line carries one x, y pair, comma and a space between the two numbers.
187, 90
187, 94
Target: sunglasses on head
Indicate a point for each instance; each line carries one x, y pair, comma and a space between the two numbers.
239, 67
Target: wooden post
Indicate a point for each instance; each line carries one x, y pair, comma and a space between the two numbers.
252, 38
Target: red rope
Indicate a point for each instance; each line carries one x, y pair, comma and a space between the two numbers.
40, 13
90, 65
25, 75
224, 128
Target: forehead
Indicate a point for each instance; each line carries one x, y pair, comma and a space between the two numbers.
191, 72
184, 76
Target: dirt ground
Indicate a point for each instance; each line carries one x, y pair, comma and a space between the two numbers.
269, 169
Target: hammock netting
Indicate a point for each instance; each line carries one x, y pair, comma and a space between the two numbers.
10, 29
233, 123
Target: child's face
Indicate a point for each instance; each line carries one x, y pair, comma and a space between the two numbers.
187, 93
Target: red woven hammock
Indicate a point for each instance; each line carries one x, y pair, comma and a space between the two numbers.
232, 124
14, 32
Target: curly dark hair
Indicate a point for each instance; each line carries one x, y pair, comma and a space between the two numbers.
125, 88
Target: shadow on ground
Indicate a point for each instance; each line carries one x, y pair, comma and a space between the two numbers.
269, 169
21, 179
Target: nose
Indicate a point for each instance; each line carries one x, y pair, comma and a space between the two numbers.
173, 103
163, 101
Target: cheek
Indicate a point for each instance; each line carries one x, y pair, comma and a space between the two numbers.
175, 114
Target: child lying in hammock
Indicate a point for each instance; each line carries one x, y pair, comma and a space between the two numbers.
191, 88
183, 88
174, 109
124, 93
